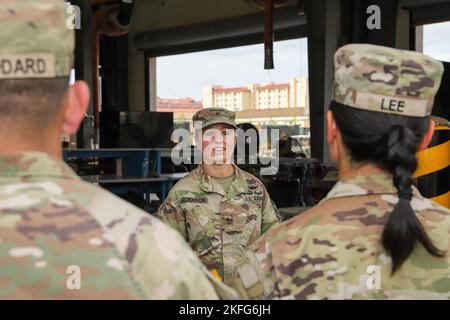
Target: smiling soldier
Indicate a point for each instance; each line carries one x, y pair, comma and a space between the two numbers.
218, 208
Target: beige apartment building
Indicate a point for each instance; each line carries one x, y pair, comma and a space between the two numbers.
279, 104
235, 99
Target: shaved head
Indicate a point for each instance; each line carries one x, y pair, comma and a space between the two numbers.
31, 102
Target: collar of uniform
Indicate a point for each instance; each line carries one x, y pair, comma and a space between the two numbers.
238, 186
34, 164
380, 183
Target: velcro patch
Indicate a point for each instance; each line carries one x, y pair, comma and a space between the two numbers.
194, 200
248, 276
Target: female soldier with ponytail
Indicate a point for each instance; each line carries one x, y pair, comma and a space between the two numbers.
374, 235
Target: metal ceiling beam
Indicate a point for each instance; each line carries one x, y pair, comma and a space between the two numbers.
243, 30
427, 11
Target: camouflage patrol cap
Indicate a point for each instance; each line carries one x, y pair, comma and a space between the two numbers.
210, 116
37, 40
388, 80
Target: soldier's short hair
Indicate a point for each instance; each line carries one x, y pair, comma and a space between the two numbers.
34, 102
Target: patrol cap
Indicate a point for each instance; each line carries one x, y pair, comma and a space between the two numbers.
36, 38
210, 116
388, 80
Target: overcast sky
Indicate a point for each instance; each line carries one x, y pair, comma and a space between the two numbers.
185, 75
436, 41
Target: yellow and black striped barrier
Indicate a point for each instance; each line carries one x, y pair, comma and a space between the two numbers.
433, 171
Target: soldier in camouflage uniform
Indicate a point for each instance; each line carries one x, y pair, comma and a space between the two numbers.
61, 238
218, 208
374, 235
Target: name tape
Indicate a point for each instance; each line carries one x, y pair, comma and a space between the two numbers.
390, 104
27, 65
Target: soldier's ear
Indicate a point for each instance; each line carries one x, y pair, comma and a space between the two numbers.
428, 136
76, 106
332, 131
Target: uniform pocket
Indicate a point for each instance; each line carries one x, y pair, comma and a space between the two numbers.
250, 231
201, 229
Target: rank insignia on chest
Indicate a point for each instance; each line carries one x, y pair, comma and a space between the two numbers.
252, 184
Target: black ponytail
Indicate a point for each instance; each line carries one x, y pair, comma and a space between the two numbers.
390, 142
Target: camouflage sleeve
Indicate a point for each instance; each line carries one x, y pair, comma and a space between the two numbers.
160, 263
166, 268
255, 277
270, 215
172, 215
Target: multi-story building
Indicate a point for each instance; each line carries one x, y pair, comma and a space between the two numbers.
235, 99
272, 96
275, 104
183, 109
